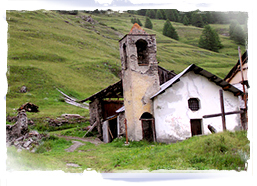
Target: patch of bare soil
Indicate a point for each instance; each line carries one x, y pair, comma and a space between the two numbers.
93, 140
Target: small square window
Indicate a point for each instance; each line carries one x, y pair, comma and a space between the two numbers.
193, 104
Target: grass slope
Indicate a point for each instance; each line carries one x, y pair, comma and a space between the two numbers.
221, 151
48, 50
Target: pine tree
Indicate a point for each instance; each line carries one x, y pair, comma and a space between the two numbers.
159, 14
185, 20
169, 30
148, 23
232, 27
210, 39
238, 35
236, 32
150, 13
163, 14
136, 20
197, 20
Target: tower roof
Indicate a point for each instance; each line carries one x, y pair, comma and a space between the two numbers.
136, 29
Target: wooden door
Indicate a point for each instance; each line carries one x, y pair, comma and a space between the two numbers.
196, 126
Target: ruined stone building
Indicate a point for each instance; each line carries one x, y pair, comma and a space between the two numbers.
157, 104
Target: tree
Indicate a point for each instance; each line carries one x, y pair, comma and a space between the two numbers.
159, 14
163, 14
169, 30
185, 20
232, 27
197, 20
170, 15
236, 32
148, 23
238, 35
210, 39
142, 12
150, 13
136, 20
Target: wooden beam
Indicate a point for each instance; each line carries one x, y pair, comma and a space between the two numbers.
222, 110
93, 126
219, 114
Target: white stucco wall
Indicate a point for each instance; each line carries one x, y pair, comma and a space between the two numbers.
172, 114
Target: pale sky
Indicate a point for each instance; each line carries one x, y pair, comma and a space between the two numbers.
182, 5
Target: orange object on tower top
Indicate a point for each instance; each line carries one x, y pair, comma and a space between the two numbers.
136, 29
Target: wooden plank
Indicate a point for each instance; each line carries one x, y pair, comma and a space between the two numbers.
222, 110
110, 132
93, 126
219, 114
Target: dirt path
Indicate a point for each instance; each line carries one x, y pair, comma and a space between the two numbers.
93, 140
76, 144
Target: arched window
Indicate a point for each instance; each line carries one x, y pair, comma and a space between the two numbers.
142, 54
125, 56
193, 104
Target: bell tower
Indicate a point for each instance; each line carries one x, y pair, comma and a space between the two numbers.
139, 78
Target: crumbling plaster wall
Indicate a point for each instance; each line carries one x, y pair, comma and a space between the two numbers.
172, 114
139, 82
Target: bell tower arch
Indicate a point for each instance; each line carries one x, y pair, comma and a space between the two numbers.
139, 77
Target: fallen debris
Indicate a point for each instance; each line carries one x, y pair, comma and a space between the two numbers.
73, 101
20, 136
29, 107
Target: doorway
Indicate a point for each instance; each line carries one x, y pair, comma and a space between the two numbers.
113, 129
196, 127
148, 127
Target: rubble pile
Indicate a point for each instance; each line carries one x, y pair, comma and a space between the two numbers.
19, 134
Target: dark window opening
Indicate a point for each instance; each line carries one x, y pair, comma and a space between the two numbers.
196, 127
142, 54
125, 56
193, 104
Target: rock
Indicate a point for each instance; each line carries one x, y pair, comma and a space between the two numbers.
11, 119
23, 89
19, 128
33, 133
71, 116
27, 143
72, 165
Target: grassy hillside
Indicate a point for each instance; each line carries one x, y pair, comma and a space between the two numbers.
221, 151
48, 50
